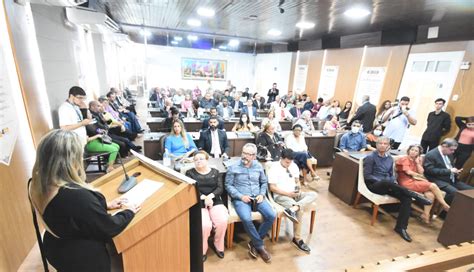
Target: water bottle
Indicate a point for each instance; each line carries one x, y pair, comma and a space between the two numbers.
166, 159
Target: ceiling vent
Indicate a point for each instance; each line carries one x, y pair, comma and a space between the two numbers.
91, 19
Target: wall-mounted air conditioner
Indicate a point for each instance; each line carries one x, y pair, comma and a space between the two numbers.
60, 3
91, 19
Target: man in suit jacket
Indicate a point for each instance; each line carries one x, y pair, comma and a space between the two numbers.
224, 110
272, 93
213, 113
365, 114
438, 165
236, 104
213, 140
298, 110
250, 110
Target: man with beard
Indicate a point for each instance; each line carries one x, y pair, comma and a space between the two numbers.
122, 138
214, 140
213, 113
247, 185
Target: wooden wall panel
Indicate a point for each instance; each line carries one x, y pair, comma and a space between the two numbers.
348, 61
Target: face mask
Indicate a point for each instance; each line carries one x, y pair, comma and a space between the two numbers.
377, 132
355, 129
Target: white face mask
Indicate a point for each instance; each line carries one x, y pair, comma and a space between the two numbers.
377, 132
355, 129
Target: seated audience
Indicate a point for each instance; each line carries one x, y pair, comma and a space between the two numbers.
399, 119
287, 98
116, 127
245, 182
250, 110
380, 179
410, 175
282, 112
246, 95
258, 101
316, 107
187, 104
213, 140
225, 111
228, 96
308, 104
271, 142
156, 98
344, 114
334, 109
168, 122
365, 114
123, 112
306, 122
283, 178
438, 165
465, 140
372, 136
236, 104
114, 115
207, 101
96, 144
323, 111
297, 111
438, 124
179, 144
332, 124
272, 119
197, 93
72, 208
213, 113
213, 212
122, 101
244, 124
353, 140
178, 98
303, 159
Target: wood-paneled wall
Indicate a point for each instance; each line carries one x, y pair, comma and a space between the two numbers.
16, 229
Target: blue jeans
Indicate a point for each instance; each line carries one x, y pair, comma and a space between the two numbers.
244, 211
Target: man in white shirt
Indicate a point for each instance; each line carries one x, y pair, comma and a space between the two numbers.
399, 119
283, 178
70, 116
213, 140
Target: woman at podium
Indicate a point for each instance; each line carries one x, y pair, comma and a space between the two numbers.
74, 214
214, 213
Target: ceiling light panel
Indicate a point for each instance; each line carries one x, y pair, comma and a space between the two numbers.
194, 22
274, 32
305, 25
206, 12
357, 12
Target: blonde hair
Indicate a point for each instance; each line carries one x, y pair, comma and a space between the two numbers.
201, 152
59, 162
182, 133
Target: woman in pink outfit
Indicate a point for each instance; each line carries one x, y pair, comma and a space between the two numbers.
214, 213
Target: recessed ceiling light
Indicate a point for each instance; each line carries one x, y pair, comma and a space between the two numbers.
174, 42
223, 47
178, 38
192, 38
234, 43
144, 32
206, 12
357, 13
194, 22
305, 25
274, 32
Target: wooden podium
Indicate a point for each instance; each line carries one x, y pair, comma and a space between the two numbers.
165, 234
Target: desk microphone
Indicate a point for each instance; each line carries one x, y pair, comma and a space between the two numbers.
128, 182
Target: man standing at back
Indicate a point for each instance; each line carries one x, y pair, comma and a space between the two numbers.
272, 93
437, 125
246, 183
365, 114
70, 116
399, 119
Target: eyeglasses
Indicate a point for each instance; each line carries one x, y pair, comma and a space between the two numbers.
248, 154
289, 174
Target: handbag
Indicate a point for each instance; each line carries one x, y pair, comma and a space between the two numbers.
262, 153
106, 139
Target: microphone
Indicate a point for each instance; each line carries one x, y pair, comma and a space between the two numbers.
129, 181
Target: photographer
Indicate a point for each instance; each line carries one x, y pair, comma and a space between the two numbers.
399, 119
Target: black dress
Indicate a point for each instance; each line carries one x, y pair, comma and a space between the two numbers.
79, 217
208, 183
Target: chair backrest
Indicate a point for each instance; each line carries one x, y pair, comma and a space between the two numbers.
162, 146
363, 190
337, 139
361, 186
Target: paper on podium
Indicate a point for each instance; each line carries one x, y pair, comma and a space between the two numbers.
143, 190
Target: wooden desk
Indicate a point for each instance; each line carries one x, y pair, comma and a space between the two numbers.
159, 237
155, 112
458, 226
344, 176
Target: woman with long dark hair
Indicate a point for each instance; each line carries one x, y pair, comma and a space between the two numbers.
244, 124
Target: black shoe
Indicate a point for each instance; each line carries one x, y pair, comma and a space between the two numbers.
204, 258
265, 255
252, 250
420, 198
301, 245
291, 215
404, 234
141, 131
219, 254
137, 148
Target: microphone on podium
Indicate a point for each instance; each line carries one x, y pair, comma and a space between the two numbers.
129, 181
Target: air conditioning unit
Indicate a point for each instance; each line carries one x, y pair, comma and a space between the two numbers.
91, 19
60, 3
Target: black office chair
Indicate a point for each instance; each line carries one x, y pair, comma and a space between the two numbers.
95, 158
162, 146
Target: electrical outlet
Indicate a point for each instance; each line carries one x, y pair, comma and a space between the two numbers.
455, 97
465, 65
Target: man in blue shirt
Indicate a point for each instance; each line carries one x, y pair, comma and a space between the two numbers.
353, 140
379, 178
246, 183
